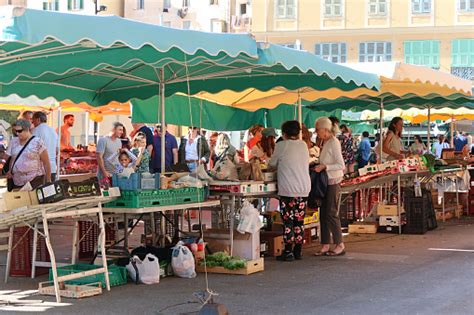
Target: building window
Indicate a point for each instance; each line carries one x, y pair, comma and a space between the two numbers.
75, 5
422, 52
186, 25
377, 7
167, 4
243, 8
140, 4
466, 73
333, 8
466, 5
462, 53
285, 9
51, 5
186, 3
420, 6
375, 51
334, 52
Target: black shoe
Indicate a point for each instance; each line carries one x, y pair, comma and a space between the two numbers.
297, 252
286, 256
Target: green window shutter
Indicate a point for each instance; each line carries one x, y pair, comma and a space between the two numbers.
422, 52
81, 4
56, 7
69, 5
462, 53
45, 6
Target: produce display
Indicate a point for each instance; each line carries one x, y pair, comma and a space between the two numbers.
221, 259
78, 165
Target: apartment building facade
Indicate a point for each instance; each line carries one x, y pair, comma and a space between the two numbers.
111, 7
218, 16
433, 33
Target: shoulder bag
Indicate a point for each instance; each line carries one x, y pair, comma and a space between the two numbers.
10, 184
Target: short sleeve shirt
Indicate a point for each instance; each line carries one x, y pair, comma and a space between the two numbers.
109, 148
170, 144
28, 166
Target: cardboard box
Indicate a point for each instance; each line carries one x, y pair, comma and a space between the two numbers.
389, 220
387, 210
363, 228
275, 243
18, 199
246, 246
269, 176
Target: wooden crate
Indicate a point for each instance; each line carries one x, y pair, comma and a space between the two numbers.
365, 228
253, 266
71, 291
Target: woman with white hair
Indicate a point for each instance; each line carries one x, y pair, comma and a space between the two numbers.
332, 162
224, 149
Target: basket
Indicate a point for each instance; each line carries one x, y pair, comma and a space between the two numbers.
156, 198
136, 181
117, 274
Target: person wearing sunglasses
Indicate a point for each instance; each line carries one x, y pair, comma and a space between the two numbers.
194, 150
29, 161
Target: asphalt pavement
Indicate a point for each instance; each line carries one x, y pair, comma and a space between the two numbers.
380, 274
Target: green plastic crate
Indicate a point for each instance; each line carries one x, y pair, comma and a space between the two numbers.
156, 198
117, 274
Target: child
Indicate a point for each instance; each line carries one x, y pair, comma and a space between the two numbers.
143, 155
124, 162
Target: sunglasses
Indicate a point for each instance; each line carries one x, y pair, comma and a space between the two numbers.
19, 130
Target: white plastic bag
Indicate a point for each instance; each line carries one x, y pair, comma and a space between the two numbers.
249, 219
182, 261
148, 269
225, 170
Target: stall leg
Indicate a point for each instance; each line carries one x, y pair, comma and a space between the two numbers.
75, 243
102, 247
457, 190
163, 230
231, 228
125, 232
35, 250
444, 194
9, 253
52, 257
153, 228
399, 204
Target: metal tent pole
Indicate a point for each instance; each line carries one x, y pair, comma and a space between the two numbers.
58, 155
429, 127
300, 115
380, 131
163, 121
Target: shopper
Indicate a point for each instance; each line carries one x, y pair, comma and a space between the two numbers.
193, 149
439, 146
332, 162
364, 150
417, 147
28, 115
392, 143
171, 149
49, 138
125, 140
66, 133
312, 148
459, 142
107, 149
255, 135
145, 130
263, 149
224, 149
212, 147
140, 150
29, 161
347, 145
291, 158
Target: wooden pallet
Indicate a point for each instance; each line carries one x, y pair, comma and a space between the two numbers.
71, 291
253, 266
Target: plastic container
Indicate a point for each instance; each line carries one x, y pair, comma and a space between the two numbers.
156, 198
117, 274
137, 182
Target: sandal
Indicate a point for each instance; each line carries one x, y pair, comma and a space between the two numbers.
321, 253
334, 254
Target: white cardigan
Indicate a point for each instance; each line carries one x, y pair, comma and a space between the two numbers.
331, 157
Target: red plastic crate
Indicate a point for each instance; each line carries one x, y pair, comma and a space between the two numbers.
22, 254
89, 242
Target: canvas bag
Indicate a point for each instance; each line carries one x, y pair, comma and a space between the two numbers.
146, 271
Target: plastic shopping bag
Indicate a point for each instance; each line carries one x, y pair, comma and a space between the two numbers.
182, 261
146, 271
249, 219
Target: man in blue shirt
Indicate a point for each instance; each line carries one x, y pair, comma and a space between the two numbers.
171, 150
459, 142
364, 150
